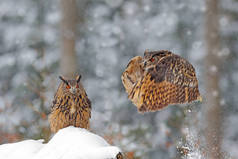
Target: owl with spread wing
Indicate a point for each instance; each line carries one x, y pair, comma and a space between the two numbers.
159, 79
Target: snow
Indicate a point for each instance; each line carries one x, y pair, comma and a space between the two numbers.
6, 60
231, 136
215, 93
213, 69
68, 143
192, 139
24, 149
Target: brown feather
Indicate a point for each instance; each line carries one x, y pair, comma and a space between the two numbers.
167, 79
70, 109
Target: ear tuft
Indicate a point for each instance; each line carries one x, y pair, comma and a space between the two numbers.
146, 52
60, 77
78, 78
65, 81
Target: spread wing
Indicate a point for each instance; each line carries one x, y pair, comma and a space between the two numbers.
178, 71
132, 74
172, 80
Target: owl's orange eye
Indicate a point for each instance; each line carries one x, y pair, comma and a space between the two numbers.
152, 59
77, 86
68, 87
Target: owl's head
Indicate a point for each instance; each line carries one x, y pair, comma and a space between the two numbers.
73, 85
153, 57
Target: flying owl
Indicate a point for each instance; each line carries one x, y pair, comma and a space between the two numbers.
71, 106
159, 79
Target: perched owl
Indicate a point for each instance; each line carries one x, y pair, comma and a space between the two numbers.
159, 79
71, 106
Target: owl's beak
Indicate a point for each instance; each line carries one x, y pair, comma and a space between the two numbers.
73, 90
144, 63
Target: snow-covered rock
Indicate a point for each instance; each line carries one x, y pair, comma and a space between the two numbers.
68, 143
21, 150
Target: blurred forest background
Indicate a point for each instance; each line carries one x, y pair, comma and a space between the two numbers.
40, 40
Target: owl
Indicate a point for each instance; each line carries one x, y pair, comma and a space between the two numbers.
71, 106
159, 79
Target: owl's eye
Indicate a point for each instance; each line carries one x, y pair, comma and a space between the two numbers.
68, 86
152, 59
77, 86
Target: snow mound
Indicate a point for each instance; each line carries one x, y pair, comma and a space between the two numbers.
68, 143
21, 150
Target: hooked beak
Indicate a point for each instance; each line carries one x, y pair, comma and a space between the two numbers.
73, 90
144, 63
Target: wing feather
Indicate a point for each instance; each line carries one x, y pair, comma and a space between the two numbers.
171, 80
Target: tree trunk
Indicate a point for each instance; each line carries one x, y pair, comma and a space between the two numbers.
212, 108
68, 62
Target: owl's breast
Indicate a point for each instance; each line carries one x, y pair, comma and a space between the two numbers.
72, 108
74, 104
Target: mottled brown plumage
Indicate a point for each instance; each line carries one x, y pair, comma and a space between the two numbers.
71, 106
159, 79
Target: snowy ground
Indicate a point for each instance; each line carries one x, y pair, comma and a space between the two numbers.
68, 143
